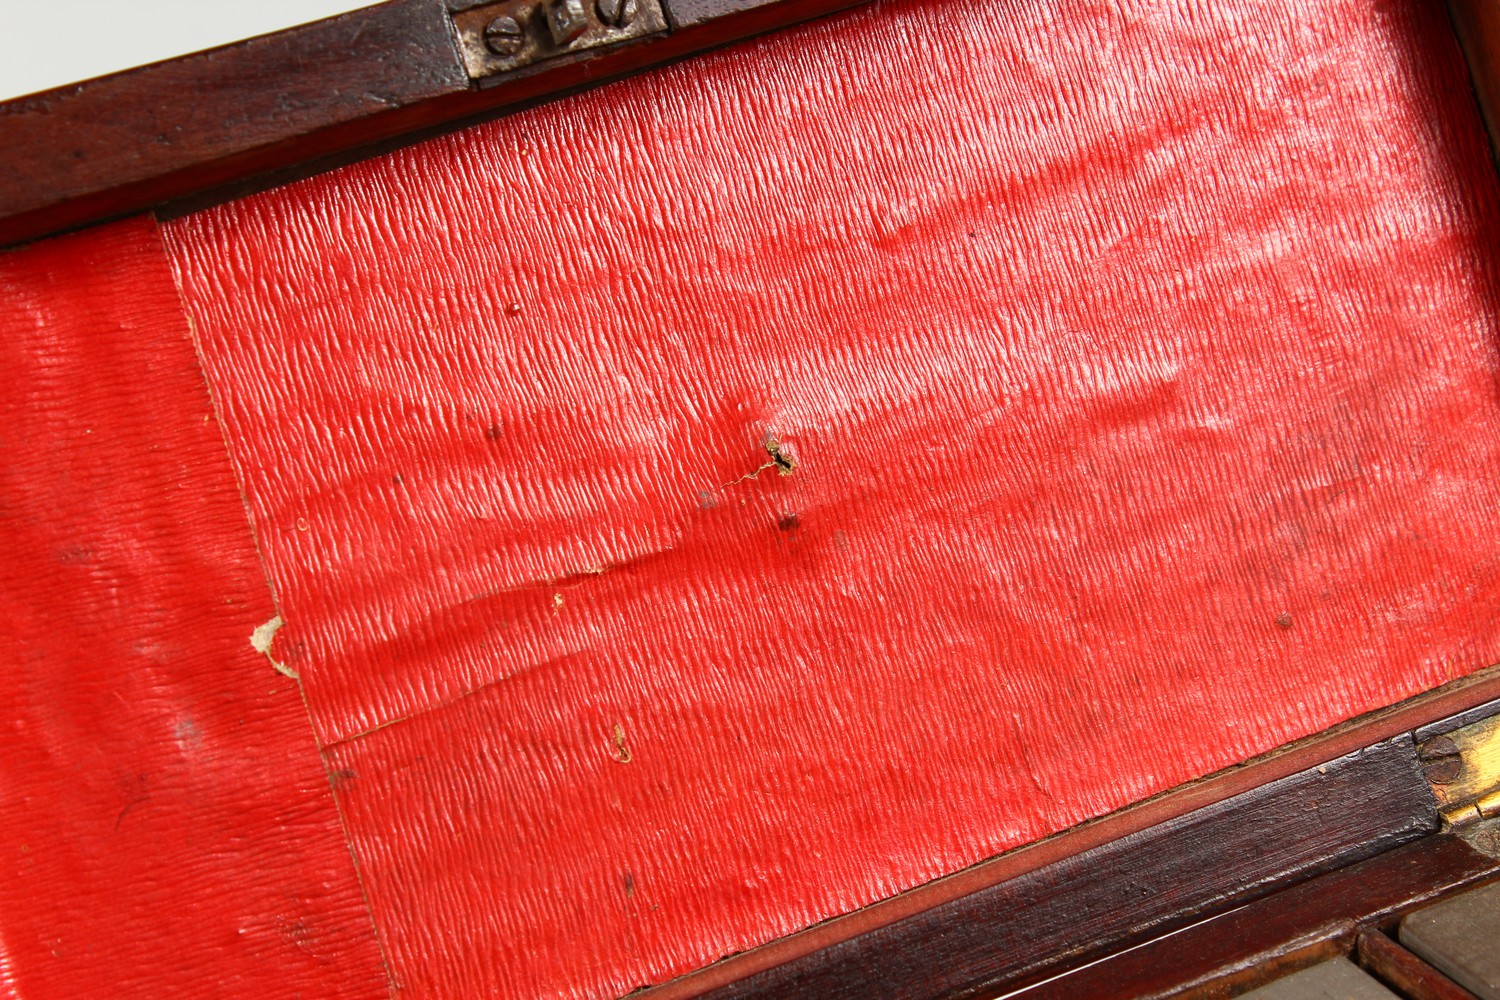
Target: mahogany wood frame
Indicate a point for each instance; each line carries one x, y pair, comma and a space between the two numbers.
1351, 910
221, 123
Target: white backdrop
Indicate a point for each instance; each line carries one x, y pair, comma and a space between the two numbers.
44, 45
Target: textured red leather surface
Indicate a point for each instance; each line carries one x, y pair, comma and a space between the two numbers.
1138, 368
166, 829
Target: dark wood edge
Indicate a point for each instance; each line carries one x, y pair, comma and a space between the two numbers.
1397, 967
1128, 891
1375, 727
1304, 924
1457, 721
220, 123
1317, 946
1477, 24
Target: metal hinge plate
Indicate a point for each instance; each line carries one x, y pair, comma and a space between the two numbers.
498, 39
1463, 768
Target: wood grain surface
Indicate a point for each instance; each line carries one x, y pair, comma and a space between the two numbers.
1404, 971
1300, 925
121, 142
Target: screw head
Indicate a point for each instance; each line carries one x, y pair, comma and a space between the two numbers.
1441, 759
616, 13
504, 36
566, 20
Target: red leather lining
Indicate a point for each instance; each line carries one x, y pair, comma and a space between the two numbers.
1138, 368
1136, 365
166, 827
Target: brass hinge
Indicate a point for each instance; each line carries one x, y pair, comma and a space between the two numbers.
1463, 768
